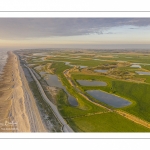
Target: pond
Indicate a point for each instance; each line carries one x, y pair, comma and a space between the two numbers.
101, 71
91, 83
142, 73
109, 99
81, 67
52, 80
68, 63
136, 66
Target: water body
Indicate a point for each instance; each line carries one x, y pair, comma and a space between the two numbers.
3, 59
101, 71
91, 83
40, 54
52, 80
135, 66
68, 63
142, 73
109, 99
81, 67
141, 64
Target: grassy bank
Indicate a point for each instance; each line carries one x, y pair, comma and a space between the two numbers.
139, 93
106, 122
44, 108
86, 120
83, 104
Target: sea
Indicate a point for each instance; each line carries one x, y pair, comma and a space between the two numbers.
3, 59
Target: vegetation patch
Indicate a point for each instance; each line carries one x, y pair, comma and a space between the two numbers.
105, 122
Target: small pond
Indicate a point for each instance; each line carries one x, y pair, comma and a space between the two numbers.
83, 67
136, 66
52, 80
91, 83
109, 99
101, 71
142, 73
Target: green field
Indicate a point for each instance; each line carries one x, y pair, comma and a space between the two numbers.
106, 122
121, 80
139, 93
69, 111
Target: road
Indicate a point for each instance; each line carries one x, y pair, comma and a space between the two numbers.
65, 126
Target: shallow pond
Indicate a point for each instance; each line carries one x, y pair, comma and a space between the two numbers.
142, 73
68, 63
109, 99
83, 67
136, 66
101, 71
91, 83
52, 80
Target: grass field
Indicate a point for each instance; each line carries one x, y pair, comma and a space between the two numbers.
139, 93
68, 111
84, 121
85, 117
106, 122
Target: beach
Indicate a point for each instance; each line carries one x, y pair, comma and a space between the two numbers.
18, 109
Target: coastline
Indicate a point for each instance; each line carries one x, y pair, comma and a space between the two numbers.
15, 115
6, 93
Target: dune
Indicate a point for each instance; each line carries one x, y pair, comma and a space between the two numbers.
12, 109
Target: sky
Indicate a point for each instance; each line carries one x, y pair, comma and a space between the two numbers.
92, 33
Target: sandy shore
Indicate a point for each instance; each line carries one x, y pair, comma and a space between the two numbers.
18, 110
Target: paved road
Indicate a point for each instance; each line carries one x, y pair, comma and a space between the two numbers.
65, 126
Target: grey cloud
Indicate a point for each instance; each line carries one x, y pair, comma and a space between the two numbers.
132, 28
49, 27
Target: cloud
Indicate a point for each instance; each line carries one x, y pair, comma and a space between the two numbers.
132, 28
49, 27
